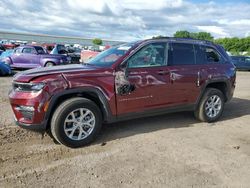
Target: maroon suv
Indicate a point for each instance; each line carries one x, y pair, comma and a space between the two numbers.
143, 78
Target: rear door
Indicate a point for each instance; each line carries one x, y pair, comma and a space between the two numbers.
185, 73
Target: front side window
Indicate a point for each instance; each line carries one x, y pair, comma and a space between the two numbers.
29, 51
212, 55
182, 54
149, 56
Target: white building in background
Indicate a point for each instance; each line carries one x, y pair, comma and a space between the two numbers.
42, 38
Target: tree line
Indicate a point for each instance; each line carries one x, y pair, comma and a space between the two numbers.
233, 45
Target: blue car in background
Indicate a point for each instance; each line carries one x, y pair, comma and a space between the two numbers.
241, 62
5, 69
5, 54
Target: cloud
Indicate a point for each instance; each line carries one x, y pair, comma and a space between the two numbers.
214, 30
125, 19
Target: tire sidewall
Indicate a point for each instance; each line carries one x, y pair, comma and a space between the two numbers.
59, 127
210, 93
49, 63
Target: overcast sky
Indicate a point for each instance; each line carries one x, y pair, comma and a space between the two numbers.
126, 19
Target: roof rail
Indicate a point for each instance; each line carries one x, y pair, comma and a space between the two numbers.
185, 39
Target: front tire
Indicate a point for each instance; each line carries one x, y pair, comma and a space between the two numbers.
76, 122
211, 105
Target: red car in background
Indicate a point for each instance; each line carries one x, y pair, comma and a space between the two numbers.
10, 46
88, 54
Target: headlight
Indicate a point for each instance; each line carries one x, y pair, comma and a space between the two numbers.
29, 87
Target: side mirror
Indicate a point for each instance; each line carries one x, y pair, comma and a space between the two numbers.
124, 68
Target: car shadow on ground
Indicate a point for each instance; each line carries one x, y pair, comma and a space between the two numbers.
236, 108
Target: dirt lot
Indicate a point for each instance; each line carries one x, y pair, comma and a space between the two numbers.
172, 150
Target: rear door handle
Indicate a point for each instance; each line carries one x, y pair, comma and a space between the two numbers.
163, 72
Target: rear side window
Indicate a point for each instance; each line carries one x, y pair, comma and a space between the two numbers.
39, 50
182, 54
212, 56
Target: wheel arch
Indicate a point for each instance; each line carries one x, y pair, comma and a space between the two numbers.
92, 94
49, 61
221, 84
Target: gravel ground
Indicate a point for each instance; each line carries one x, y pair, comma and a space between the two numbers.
171, 150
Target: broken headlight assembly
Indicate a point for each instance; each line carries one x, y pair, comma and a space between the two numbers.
28, 87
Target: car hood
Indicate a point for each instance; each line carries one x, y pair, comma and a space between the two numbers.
28, 75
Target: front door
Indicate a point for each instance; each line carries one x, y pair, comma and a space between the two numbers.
149, 76
26, 57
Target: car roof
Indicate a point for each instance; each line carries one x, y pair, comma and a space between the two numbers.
239, 56
25, 46
186, 40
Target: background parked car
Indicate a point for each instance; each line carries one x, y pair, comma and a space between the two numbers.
71, 52
2, 48
32, 57
87, 54
241, 62
49, 47
6, 54
4, 69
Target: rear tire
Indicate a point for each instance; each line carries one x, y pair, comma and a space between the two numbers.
76, 122
49, 64
211, 105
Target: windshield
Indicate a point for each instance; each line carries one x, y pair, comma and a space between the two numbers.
6, 53
109, 57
